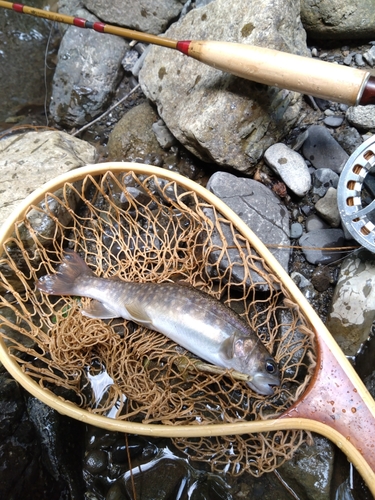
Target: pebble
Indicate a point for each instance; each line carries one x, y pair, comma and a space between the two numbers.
96, 461
358, 58
163, 135
313, 223
328, 209
322, 179
353, 304
290, 166
315, 240
333, 121
304, 285
296, 230
362, 117
349, 138
369, 56
129, 60
321, 279
323, 150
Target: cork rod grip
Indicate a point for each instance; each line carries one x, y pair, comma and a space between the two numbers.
280, 69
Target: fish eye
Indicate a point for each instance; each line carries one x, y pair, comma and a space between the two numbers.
270, 366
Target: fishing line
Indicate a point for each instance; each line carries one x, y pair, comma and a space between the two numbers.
52, 27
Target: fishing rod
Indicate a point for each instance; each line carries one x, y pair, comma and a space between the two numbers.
271, 67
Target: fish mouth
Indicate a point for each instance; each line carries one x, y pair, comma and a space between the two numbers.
264, 385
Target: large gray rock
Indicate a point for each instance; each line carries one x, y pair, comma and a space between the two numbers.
29, 160
215, 115
142, 15
261, 210
339, 19
87, 73
353, 304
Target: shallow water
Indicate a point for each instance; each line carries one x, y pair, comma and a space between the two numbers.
25, 62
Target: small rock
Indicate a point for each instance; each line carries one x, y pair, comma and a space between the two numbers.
309, 472
290, 166
296, 230
313, 223
96, 461
321, 279
322, 179
132, 138
348, 60
304, 285
353, 304
129, 60
369, 56
314, 241
333, 121
328, 209
349, 138
362, 117
358, 58
323, 150
163, 135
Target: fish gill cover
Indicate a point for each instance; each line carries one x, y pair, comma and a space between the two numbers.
147, 229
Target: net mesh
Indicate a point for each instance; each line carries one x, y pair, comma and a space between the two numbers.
146, 228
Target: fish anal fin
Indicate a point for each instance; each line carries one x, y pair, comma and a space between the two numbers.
138, 314
99, 310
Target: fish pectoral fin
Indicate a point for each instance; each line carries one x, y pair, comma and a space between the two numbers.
138, 314
98, 310
226, 348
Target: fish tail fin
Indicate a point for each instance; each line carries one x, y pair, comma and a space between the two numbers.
64, 281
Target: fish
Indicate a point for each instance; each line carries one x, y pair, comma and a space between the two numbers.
190, 317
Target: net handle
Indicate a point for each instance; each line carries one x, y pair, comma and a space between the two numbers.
289, 423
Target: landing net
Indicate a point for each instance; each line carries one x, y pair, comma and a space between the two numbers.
145, 228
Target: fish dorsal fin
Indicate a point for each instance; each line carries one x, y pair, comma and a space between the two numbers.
138, 314
98, 310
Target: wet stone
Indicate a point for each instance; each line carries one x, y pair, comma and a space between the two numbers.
85, 77
96, 461
148, 485
309, 472
133, 447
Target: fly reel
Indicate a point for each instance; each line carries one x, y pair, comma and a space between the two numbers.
356, 194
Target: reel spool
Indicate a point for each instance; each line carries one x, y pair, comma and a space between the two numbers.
356, 194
